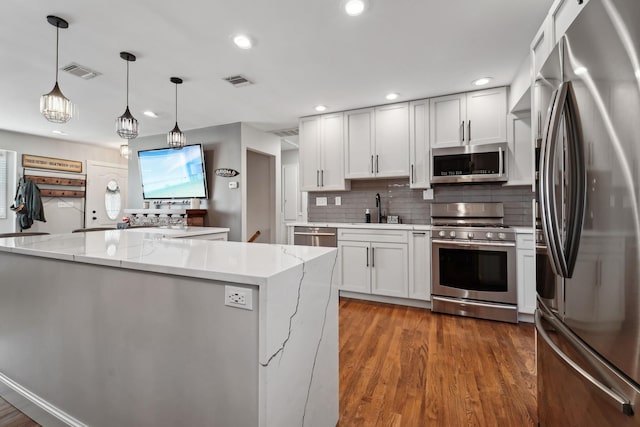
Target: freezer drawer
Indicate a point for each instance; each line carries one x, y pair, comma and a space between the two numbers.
575, 386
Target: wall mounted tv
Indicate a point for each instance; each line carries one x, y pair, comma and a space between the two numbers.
173, 173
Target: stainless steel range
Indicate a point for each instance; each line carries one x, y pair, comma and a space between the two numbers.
474, 261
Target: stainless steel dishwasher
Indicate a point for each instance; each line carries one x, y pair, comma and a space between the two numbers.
315, 236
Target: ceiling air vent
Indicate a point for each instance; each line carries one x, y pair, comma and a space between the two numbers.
80, 71
285, 132
238, 81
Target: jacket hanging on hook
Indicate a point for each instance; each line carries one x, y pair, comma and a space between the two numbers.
28, 204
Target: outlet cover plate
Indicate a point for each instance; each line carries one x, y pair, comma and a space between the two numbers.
321, 201
338, 200
235, 296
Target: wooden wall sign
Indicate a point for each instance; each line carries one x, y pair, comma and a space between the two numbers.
38, 162
227, 173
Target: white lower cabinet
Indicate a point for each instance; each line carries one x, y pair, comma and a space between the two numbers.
374, 262
420, 265
526, 273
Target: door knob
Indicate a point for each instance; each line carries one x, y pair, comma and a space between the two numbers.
94, 218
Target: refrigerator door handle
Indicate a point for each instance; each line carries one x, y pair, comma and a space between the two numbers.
618, 400
548, 211
577, 182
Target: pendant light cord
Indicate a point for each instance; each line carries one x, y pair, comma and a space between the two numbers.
127, 83
176, 103
57, 44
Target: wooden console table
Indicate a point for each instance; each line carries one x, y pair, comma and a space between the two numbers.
196, 217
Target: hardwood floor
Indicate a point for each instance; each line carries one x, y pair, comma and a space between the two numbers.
402, 366
11, 417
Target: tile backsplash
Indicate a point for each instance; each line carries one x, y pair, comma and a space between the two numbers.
398, 199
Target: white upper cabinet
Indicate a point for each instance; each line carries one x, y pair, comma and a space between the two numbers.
359, 130
471, 118
321, 151
448, 116
392, 140
419, 154
377, 142
520, 161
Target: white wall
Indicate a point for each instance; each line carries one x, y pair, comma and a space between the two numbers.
62, 214
265, 143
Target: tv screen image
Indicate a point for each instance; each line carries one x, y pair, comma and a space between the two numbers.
170, 173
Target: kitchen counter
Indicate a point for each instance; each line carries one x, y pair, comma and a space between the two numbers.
372, 225
106, 328
208, 233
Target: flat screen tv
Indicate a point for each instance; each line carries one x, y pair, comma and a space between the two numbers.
173, 173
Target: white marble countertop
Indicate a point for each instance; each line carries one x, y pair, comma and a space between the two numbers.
239, 262
179, 232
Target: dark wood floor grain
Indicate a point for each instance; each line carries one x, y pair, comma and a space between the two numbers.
11, 417
402, 366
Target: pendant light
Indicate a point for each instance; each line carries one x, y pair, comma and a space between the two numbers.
126, 124
175, 138
125, 151
54, 106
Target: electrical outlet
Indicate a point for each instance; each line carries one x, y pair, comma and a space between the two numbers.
338, 200
427, 194
321, 201
238, 297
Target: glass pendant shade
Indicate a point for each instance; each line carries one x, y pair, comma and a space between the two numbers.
175, 138
126, 124
54, 106
125, 151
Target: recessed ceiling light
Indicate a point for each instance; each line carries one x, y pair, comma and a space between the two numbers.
482, 81
354, 7
243, 41
391, 96
59, 132
580, 71
321, 108
150, 113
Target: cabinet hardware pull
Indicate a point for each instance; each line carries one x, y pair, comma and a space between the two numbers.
377, 168
373, 257
317, 178
372, 164
412, 178
461, 132
322, 178
469, 133
367, 257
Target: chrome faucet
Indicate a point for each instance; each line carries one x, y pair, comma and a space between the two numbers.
379, 207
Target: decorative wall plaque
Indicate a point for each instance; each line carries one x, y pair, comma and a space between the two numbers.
39, 162
227, 173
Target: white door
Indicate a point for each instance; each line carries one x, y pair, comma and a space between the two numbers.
290, 193
392, 140
419, 154
310, 153
487, 116
332, 152
106, 194
390, 268
448, 115
359, 133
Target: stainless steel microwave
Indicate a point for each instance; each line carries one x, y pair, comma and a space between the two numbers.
469, 163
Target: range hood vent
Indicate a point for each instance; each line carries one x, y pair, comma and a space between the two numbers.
80, 71
238, 81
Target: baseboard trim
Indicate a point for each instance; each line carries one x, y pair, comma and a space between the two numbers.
36, 407
388, 300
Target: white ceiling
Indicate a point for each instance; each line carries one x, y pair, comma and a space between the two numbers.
306, 53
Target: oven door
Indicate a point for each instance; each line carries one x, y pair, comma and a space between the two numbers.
484, 271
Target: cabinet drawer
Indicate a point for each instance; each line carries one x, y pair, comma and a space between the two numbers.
525, 241
373, 235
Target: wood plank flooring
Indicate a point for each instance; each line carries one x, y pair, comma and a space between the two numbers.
406, 367
403, 366
11, 417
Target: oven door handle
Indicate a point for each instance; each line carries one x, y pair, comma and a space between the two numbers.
475, 245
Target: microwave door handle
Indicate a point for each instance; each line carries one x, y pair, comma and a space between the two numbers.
462, 132
548, 206
500, 160
623, 403
577, 183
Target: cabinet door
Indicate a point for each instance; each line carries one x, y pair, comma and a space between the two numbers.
526, 274
389, 269
541, 47
447, 117
392, 140
358, 151
310, 153
419, 154
487, 116
355, 273
562, 14
519, 161
331, 152
420, 265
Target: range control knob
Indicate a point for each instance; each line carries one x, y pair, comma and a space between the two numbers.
470, 235
442, 234
489, 235
452, 234
501, 236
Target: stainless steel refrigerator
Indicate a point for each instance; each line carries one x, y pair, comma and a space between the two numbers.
588, 316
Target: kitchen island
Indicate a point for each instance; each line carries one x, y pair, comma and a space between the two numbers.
120, 328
